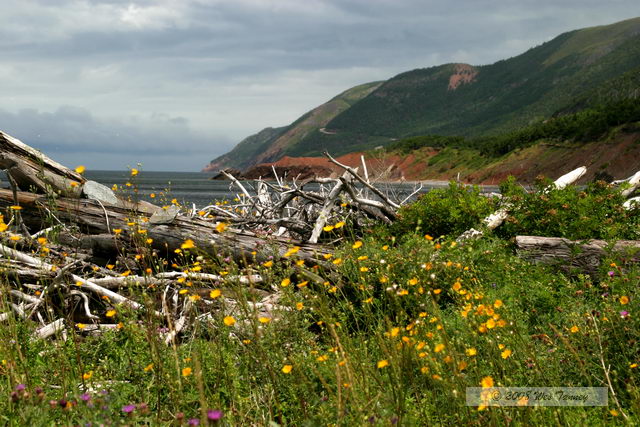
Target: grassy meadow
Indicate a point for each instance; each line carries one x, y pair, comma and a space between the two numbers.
389, 329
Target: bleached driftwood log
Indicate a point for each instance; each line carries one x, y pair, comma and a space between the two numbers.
633, 182
632, 202
86, 284
323, 216
94, 218
33, 171
50, 329
567, 254
569, 178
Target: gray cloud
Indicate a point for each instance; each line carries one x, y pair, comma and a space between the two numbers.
74, 133
230, 68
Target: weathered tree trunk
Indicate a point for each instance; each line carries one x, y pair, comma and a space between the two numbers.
33, 171
98, 219
567, 254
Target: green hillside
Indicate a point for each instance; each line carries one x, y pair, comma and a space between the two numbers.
574, 71
270, 143
247, 149
504, 96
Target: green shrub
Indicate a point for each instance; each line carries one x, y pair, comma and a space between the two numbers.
444, 211
593, 212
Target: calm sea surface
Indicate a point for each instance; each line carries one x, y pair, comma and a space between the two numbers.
196, 187
187, 187
199, 188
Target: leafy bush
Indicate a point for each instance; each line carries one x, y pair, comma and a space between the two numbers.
407, 145
444, 211
594, 212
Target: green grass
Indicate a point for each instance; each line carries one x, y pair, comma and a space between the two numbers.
392, 328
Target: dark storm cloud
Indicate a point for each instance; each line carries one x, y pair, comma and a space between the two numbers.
70, 131
232, 67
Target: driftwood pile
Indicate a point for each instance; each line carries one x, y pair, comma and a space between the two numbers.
290, 209
62, 235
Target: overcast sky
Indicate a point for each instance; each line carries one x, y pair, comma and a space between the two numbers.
174, 83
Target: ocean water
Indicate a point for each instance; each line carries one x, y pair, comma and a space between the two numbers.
186, 187
198, 188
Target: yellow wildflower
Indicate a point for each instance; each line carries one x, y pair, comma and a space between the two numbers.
487, 382
291, 251
188, 244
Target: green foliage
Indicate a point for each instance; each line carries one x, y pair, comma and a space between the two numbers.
503, 97
392, 332
583, 126
594, 212
448, 211
407, 145
390, 328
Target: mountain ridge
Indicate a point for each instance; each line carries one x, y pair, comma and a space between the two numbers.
462, 99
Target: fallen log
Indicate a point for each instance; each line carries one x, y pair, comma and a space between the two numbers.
633, 183
584, 256
95, 218
32, 170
